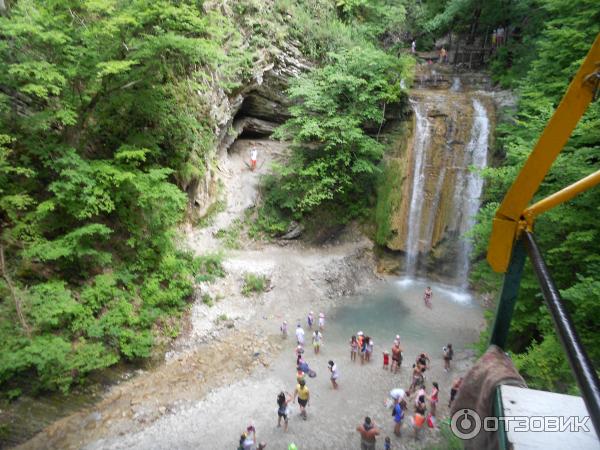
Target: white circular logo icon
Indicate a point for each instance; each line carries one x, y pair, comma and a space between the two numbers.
465, 424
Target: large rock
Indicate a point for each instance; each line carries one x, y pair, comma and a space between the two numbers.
450, 118
258, 107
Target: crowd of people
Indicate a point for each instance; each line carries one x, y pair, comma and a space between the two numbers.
361, 345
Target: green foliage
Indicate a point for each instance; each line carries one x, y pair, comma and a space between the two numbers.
389, 198
210, 267
231, 236
207, 300
566, 233
254, 284
335, 161
103, 125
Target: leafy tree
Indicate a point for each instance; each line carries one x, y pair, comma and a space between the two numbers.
103, 127
565, 233
335, 160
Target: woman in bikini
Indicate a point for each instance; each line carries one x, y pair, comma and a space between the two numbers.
433, 398
427, 296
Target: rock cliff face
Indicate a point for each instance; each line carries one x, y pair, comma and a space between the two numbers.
256, 109
437, 193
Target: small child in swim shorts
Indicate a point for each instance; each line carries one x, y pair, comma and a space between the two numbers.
386, 360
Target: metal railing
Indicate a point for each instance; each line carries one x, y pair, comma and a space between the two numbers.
512, 236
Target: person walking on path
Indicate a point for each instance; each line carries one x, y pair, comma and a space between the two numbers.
455, 387
303, 395
427, 296
398, 414
283, 399
283, 329
334, 374
321, 321
413, 47
310, 319
433, 398
368, 431
448, 355
300, 335
316, 340
253, 158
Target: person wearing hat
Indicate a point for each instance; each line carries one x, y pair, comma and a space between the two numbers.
303, 395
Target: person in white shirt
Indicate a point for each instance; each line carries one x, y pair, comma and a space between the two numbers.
316, 339
253, 158
334, 374
300, 335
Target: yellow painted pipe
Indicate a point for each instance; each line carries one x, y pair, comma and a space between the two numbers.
562, 196
505, 226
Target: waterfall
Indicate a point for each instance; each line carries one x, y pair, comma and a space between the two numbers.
422, 136
444, 187
468, 190
456, 85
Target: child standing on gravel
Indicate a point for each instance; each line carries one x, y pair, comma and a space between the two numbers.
283, 329
386, 360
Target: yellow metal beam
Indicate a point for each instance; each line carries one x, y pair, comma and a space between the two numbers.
561, 196
556, 134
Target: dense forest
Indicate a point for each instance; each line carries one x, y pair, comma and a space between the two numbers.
105, 129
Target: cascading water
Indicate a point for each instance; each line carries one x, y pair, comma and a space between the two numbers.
456, 85
451, 135
422, 133
469, 192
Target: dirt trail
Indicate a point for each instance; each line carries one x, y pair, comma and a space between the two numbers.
228, 341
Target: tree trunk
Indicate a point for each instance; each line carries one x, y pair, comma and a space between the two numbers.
13, 292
